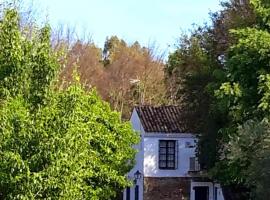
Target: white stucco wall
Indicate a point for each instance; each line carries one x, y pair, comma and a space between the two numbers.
151, 154
147, 159
148, 151
136, 125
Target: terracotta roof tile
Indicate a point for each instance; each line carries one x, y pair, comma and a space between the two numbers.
165, 119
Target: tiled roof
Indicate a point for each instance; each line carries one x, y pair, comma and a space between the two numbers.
164, 119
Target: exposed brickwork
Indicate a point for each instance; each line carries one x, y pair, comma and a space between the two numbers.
166, 188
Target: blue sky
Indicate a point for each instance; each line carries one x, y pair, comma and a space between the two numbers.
147, 21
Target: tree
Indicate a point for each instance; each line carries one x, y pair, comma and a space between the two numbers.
221, 74
135, 75
86, 58
56, 143
113, 72
250, 152
245, 98
197, 68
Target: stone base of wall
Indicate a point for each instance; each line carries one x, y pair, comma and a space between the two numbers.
166, 188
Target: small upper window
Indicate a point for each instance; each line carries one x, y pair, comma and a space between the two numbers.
189, 145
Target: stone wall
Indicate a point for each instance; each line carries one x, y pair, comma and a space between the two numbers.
166, 188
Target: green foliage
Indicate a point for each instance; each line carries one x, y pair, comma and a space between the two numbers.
27, 66
111, 48
197, 69
191, 75
221, 73
262, 9
72, 148
264, 89
247, 67
250, 151
55, 143
245, 97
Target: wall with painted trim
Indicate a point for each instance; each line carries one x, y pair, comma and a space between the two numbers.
184, 152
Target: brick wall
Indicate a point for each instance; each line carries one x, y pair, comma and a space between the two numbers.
166, 188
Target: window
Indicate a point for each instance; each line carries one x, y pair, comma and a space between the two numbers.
194, 165
192, 161
167, 154
189, 145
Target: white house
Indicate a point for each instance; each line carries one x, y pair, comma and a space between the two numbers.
166, 165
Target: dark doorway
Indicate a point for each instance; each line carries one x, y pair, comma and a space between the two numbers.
201, 192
